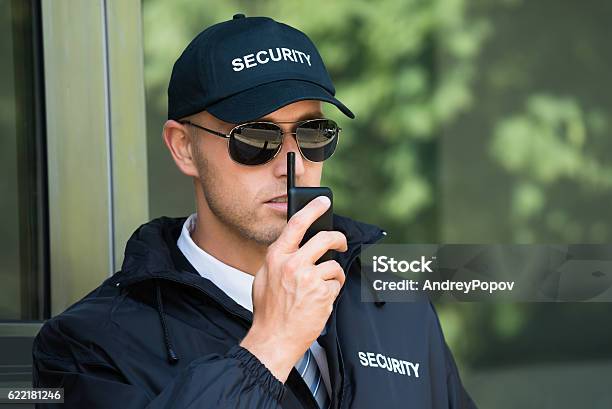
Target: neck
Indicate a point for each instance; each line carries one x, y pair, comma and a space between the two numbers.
226, 245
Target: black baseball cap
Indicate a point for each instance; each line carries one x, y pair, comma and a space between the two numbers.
242, 69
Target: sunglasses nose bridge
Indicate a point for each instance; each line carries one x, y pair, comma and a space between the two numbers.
289, 143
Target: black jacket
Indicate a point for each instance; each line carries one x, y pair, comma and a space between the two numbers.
158, 335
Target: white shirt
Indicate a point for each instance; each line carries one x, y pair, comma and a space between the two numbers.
237, 284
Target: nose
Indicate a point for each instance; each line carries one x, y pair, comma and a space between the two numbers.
280, 162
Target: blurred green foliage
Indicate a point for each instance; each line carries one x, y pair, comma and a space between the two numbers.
553, 140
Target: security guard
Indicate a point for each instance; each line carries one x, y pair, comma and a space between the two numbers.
222, 309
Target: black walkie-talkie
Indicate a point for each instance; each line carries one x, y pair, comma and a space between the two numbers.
298, 197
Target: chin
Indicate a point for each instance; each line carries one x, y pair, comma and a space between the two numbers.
269, 228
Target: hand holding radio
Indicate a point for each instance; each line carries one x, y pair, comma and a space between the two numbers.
293, 296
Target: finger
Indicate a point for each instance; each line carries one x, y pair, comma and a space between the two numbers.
333, 286
296, 227
318, 244
330, 270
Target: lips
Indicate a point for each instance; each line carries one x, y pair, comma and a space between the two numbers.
278, 204
278, 199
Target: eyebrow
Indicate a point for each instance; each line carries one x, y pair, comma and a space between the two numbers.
304, 117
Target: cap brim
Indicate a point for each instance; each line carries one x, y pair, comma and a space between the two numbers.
263, 99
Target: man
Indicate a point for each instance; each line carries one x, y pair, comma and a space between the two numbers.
224, 309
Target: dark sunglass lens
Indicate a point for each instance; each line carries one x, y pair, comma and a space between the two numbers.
318, 139
255, 143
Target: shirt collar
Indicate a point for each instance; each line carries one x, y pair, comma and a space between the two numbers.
235, 283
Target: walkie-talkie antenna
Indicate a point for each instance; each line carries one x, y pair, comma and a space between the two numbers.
290, 170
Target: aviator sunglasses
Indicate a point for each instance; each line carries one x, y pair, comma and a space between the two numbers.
256, 143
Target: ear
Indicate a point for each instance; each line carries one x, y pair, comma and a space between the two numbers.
177, 139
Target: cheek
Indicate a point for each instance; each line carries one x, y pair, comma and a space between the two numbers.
214, 153
215, 163
236, 182
312, 173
